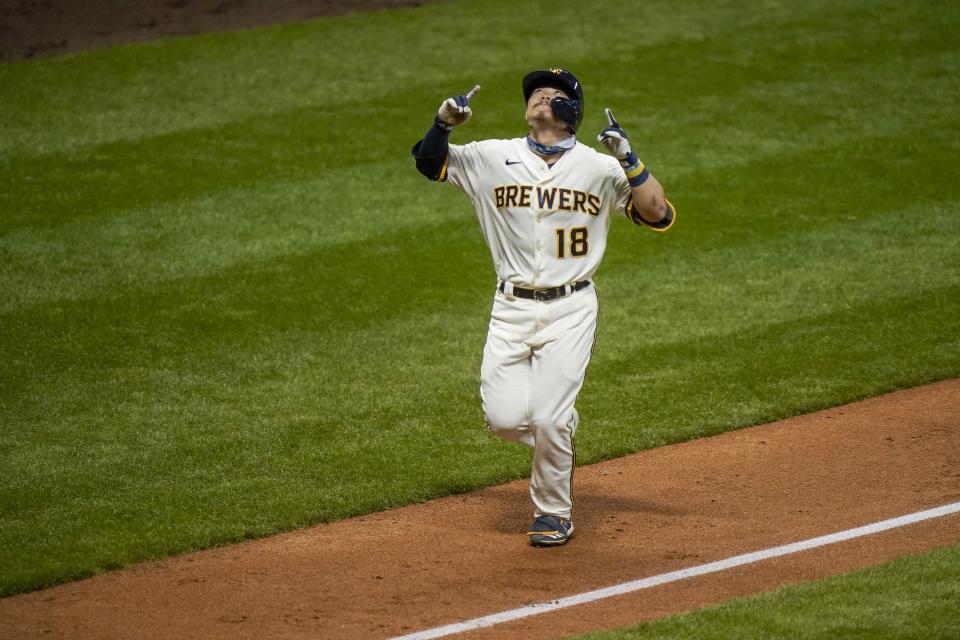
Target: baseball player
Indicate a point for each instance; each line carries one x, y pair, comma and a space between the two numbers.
544, 203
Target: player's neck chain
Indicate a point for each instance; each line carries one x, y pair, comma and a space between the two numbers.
548, 150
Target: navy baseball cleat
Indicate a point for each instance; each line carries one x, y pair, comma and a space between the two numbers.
550, 531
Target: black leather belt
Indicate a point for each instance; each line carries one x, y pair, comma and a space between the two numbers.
544, 295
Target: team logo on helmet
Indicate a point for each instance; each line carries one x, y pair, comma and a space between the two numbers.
566, 75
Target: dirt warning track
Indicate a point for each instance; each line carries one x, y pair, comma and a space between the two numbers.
463, 557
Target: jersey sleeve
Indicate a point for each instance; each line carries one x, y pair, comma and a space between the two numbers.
464, 166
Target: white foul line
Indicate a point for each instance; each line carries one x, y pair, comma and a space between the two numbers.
673, 576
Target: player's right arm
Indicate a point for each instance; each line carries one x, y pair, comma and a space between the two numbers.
432, 152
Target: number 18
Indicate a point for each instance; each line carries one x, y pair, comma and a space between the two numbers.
578, 242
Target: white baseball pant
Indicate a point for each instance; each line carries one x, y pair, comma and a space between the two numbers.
534, 363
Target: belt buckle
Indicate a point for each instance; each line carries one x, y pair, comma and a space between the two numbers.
540, 295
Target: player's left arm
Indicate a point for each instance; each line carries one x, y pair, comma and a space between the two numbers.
648, 204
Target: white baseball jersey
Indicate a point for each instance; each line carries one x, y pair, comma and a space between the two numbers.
545, 226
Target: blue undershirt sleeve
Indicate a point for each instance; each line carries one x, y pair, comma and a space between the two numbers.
431, 152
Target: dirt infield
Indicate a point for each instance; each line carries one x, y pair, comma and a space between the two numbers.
450, 560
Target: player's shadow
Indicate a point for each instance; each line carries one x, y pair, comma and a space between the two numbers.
513, 510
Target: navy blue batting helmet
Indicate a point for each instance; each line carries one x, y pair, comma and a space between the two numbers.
567, 110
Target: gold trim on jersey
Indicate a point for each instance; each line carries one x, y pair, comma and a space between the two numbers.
634, 215
443, 170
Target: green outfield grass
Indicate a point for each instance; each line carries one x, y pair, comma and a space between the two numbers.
913, 597
230, 305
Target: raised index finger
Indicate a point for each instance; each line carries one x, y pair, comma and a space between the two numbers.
473, 92
611, 119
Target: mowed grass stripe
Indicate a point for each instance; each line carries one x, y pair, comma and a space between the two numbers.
787, 276
136, 91
764, 373
169, 241
795, 276
223, 230
307, 140
89, 257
